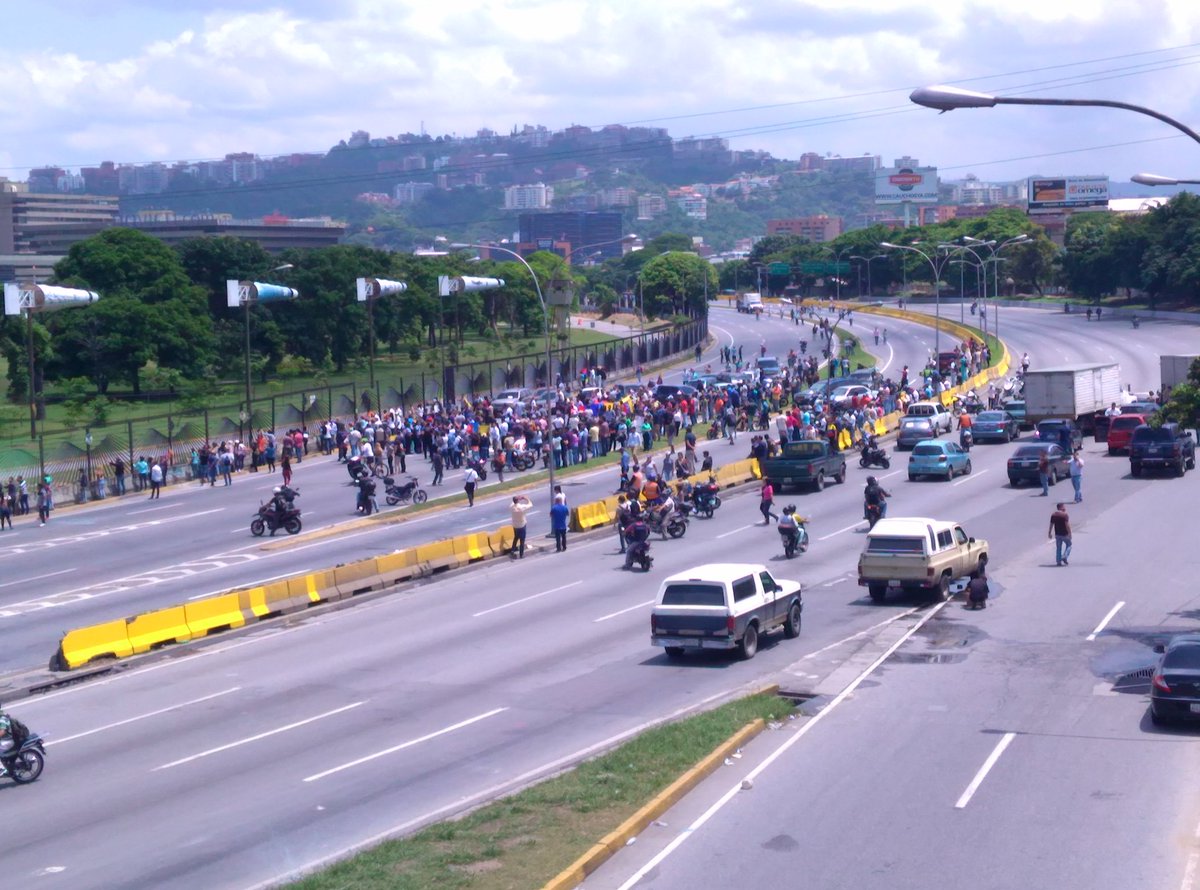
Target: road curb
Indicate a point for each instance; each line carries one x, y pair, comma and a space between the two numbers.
575, 874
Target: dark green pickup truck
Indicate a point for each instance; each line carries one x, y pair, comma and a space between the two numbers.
803, 463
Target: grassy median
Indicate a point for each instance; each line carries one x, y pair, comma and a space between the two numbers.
525, 840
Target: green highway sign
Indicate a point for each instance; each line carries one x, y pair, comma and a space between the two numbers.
779, 269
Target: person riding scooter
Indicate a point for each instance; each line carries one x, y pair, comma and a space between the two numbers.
637, 539
366, 496
966, 438
875, 496
789, 529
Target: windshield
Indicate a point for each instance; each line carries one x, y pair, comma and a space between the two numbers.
693, 594
918, 424
1185, 656
920, 410
1127, 422
1028, 451
1150, 434
928, 451
992, 416
810, 448
895, 544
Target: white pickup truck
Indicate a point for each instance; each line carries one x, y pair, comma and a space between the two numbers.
916, 554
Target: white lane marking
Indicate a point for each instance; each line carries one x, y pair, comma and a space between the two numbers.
37, 577
152, 509
891, 474
841, 531
736, 530
410, 743
984, 770
526, 599
1107, 618
891, 358
1193, 862
49, 543
699, 822
861, 633
622, 611
194, 701
255, 738
966, 479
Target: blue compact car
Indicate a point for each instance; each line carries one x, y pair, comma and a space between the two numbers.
936, 458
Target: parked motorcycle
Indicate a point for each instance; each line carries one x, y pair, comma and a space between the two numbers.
523, 460
280, 513
873, 456
25, 761
401, 494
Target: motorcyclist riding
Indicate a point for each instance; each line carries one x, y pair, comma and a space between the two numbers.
874, 495
789, 528
637, 536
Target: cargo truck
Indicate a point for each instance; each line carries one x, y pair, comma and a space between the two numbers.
1076, 392
1175, 369
750, 303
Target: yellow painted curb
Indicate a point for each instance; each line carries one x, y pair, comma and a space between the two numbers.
601, 852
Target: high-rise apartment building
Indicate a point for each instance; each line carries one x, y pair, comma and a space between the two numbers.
549, 231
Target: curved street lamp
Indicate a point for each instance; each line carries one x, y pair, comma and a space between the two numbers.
937, 288
868, 261
995, 258
979, 266
837, 255
944, 98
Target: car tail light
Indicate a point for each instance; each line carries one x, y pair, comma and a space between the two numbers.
653, 627
1160, 684
1011, 462
730, 624
941, 458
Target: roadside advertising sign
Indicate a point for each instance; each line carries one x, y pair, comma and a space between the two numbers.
1049, 195
895, 185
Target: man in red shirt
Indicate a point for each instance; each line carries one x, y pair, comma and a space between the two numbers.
1060, 530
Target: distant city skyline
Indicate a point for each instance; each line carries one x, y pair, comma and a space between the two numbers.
140, 82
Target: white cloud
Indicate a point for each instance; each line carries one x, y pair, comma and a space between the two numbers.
192, 80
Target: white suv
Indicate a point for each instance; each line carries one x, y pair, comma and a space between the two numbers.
723, 606
936, 412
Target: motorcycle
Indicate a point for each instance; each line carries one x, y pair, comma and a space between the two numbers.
673, 524
479, 467
366, 496
794, 538
873, 512
26, 760
401, 494
288, 518
873, 455
357, 470
639, 552
966, 439
523, 460
705, 499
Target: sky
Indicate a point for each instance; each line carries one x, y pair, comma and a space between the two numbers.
145, 80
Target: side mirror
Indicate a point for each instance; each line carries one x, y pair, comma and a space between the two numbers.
1160, 648
970, 540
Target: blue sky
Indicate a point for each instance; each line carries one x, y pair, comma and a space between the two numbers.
140, 81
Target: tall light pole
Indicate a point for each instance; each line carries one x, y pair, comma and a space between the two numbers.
978, 262
545, 329
244, 293
937, 288
368, 291
996, 260
945, 98
868, 261
837, 280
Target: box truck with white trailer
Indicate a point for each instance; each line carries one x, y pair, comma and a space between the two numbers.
1075, 392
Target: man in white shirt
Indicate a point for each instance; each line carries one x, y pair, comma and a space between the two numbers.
520, 506
470, 477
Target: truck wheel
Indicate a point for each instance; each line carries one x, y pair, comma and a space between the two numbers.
749, 644
1179, 467
841, 475
791, 629
878, 592
1135, 469
674, 651
820, 483
1191, 462
941, 593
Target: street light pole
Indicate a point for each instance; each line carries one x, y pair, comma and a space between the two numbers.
868, 261
994, 257
937, 290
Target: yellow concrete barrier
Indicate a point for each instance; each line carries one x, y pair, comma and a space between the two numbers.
439, 555
592, 515
473, 546
214, 613
152, 629
84, 644
502, 539
356, 577
279, 598
317, 587
253, 602
396, 567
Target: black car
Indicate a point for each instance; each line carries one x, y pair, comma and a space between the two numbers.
1023, 465
995, 425
1175, 685
1052, 431
665, 392
1166, 447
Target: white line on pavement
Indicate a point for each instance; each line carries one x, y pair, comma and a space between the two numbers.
526, 599
841, 531
152, 509
403, 745
255, 738
967, 479
861, 633
1107, 618
800, 733
194, 701
736, 530
622, 611
984, 770
37, 577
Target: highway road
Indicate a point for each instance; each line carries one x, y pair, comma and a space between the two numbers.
243, 760
114, 559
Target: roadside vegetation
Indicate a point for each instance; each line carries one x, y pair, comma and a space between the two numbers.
524, 840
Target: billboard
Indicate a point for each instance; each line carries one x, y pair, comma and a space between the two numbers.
1058, 193
895, 185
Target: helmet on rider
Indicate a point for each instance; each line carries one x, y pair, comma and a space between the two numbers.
277, 490
871, 480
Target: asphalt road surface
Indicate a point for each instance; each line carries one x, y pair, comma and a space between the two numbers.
114, 559
271, 750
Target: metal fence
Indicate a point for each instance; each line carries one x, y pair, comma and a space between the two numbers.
67, 455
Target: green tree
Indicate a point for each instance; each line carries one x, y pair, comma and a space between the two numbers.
675, 283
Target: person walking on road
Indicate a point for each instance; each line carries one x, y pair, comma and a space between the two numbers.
438, 464
1060, 530
767, 495
1044, 472
470, 478
1076, 466
520, 506
560, 514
